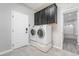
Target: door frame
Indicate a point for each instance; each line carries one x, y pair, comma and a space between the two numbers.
67, 11
12, 29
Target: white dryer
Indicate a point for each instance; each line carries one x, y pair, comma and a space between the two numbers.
44, 34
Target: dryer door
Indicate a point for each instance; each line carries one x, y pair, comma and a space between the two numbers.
33, 32
41, 33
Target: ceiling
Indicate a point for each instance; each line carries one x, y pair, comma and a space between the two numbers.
37, 6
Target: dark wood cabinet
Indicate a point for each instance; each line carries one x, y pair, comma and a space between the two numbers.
52, 14
43, 17
40, 18
47, 15
37, 18
36, 21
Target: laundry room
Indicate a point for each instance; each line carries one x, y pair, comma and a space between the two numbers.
39, 29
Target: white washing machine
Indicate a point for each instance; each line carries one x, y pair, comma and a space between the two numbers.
43, 37
33, 33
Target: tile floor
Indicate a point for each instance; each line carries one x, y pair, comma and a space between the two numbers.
33, 51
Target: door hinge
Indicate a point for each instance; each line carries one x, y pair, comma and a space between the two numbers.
12, 30
12, 45
12, 16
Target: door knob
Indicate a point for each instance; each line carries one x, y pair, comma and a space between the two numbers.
26, 29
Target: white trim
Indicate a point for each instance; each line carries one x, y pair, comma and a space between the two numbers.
7, 51
54, 46
12, 43
78, 43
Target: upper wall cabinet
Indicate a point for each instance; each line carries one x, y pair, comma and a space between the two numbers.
47, 15
43, 17
37, 18
52, 14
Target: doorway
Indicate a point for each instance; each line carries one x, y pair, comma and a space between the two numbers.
70, 42
19, 29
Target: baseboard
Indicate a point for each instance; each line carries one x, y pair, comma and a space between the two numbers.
57, 47
7, 51
78, 43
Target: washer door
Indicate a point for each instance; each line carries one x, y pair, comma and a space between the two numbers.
40, 33
33, 32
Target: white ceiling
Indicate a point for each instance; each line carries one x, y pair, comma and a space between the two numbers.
37, 6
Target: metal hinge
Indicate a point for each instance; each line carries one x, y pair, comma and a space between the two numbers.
12, 16
12, 45
12, 30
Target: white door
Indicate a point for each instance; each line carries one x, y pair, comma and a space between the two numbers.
19, 33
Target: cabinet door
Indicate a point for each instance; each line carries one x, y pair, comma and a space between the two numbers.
40, 14
46, 14
42, 17
52, 13
45, 18
36, 20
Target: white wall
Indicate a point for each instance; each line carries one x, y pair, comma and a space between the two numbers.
5, 23
58, 28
